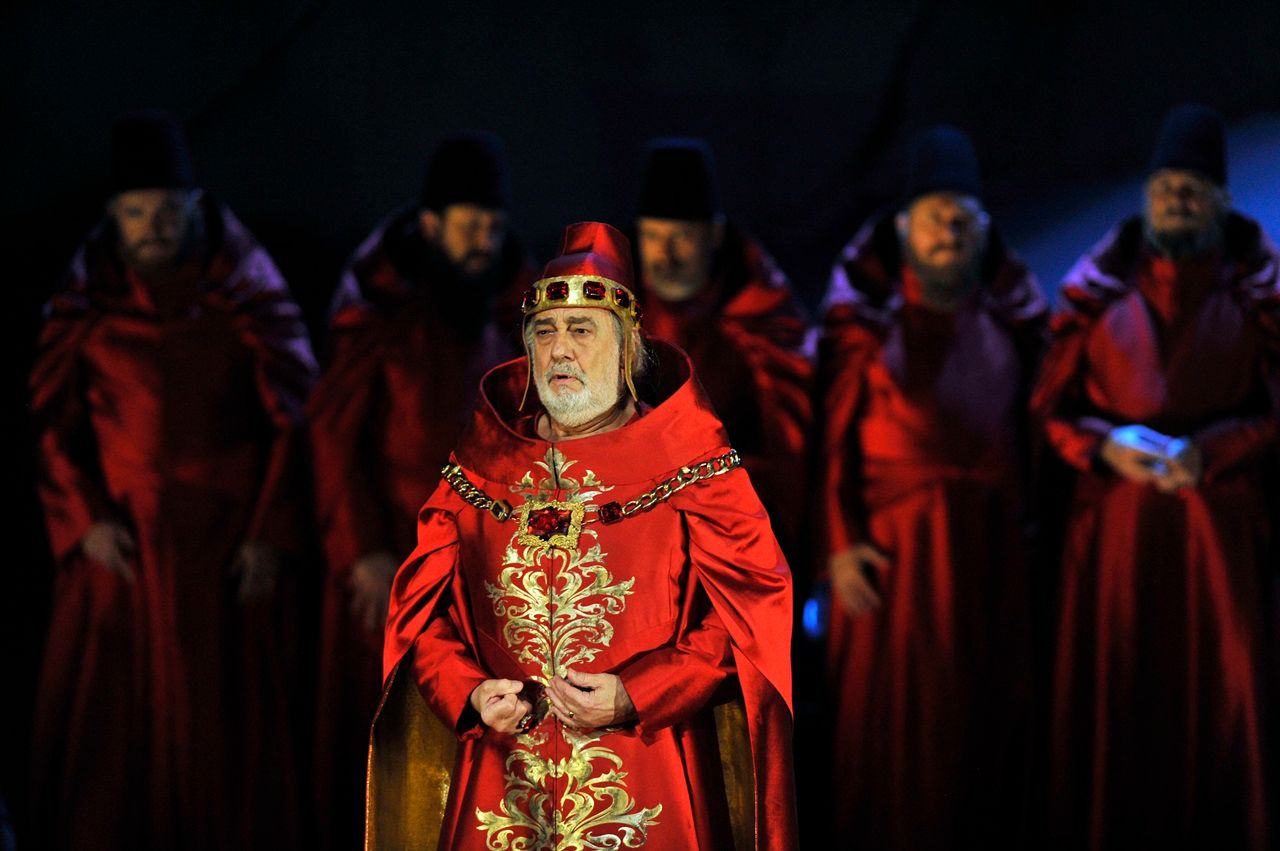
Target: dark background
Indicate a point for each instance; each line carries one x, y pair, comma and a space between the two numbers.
313, 119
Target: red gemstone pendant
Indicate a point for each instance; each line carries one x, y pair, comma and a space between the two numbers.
557, 524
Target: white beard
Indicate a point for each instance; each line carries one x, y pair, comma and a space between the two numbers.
574, 407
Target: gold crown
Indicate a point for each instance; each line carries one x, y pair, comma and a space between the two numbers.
581, 291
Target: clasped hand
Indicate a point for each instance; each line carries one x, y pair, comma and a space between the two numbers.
578, 700
1167, 472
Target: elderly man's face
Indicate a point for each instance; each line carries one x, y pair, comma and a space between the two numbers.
469, 236
154, 225
577, 362
1183, 211
943, 234
676, 255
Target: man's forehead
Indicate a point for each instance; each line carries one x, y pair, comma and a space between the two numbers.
650, 224
154, 197
569, 316
935, 201
1179, 176
464, 211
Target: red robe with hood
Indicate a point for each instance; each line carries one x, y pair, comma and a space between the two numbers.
689, 603
745, 334
1158, 709
923, 445
391, 404
161, 713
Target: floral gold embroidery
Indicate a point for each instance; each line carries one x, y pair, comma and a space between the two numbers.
557, 599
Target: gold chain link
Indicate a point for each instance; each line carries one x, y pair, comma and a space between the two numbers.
501, 509
717, 466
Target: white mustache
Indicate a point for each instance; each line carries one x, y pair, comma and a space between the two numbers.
565, 369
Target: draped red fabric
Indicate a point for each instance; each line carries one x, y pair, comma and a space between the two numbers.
687, 603
1158, 710
163, 712
394, 398
746, 337
924, 456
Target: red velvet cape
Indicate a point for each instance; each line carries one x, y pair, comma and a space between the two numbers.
924, 456
161, 708
1158, 709
689, 603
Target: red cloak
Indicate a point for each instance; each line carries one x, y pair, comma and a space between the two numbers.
745, 334
689, 603
394, 398
161, 713
1158, 708
923, 446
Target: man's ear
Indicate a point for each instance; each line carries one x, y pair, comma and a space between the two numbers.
717, 232
902, 223
430, 223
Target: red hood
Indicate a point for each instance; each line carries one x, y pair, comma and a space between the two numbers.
680, 427
866, 283
1107, 271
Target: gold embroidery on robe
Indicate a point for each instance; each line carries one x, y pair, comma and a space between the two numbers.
557, 603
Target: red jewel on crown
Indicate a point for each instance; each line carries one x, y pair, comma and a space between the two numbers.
558, 290
529, 300
622, 297
548, 522
594, 290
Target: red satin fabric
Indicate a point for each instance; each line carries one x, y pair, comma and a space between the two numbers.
391, 404
923, 448
707, 597
1158, 701
746, 337
162, 708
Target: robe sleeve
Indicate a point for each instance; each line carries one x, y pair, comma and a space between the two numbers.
670, 685
842, 516
1057, 400
342, 410
284, 370
425, 623
70, 481
1234, 442
740, 566
743, 588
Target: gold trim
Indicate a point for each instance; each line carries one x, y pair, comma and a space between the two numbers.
576, 296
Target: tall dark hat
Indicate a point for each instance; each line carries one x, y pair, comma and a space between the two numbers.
150, 151
468, 168
679, 181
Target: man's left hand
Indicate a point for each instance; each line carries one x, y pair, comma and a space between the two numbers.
258, 566
585, 701
1184, 470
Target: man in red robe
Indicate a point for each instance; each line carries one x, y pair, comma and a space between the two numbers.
413, 329
932, 328
1159, 389
167, 394
589, 646
714, 292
